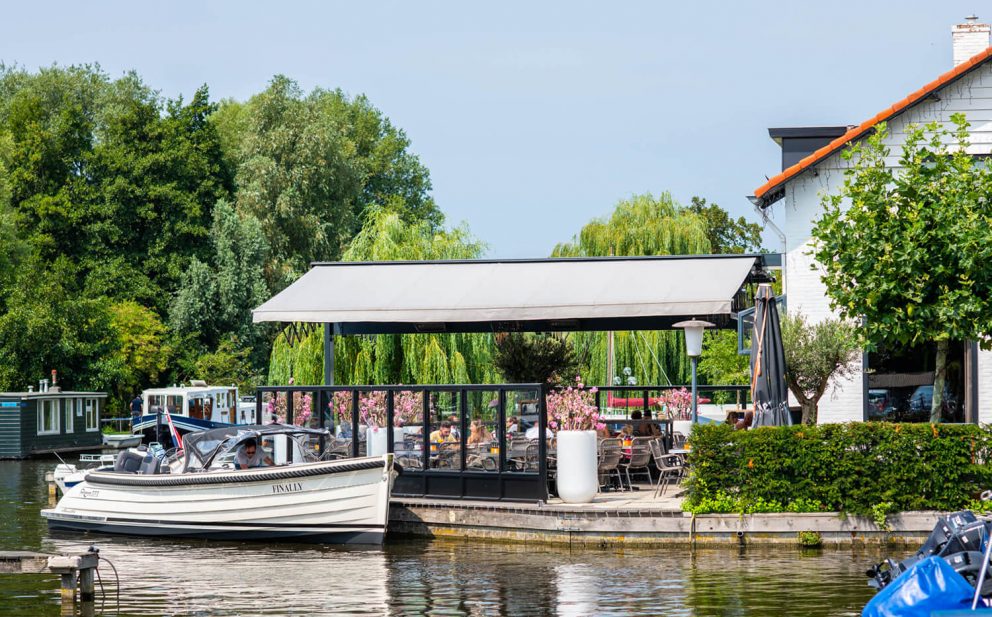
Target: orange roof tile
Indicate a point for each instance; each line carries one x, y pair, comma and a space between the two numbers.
863, 128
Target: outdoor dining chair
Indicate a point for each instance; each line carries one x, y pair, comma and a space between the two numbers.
447, 456
669, 466
639, 461
610, 453
479, 457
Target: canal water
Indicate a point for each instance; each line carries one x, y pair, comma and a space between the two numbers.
417, 577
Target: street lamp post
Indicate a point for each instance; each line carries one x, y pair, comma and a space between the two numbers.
694, 348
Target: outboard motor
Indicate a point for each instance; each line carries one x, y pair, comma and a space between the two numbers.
958, 538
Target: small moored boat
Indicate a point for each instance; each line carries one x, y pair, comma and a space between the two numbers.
119, 440
199, 493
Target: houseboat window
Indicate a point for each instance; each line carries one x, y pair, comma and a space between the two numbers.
92, 414
48, 417
69, 415
159, 402
901, 384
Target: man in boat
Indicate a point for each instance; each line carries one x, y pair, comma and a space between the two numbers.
250, 456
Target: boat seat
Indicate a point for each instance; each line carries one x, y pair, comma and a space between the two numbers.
128, 462
150, 465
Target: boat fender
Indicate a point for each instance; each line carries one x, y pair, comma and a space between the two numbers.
398, 469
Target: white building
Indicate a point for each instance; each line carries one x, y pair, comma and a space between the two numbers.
889, 385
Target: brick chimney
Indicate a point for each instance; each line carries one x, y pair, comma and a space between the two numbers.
969, 38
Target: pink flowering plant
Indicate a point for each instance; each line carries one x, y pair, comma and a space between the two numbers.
677, 403
574, 409
302, 408
372, 408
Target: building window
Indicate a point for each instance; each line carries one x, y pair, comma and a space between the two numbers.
70, 410
92, 414
901, 384
48, 417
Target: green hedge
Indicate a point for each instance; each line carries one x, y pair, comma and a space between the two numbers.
864, 468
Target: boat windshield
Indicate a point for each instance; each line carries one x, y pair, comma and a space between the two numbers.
203, 447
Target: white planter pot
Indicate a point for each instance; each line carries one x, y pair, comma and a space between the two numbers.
682, 426
578, 478
377, 440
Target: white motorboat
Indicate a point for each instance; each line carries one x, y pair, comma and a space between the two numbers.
118, 440
67, 475
199, 494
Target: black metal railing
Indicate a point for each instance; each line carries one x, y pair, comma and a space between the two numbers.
451, 441
459, 441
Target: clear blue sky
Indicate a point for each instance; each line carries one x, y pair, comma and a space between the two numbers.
535, 117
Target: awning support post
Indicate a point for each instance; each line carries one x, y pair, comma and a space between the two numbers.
328, 354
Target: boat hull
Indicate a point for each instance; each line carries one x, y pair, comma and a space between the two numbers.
339, 502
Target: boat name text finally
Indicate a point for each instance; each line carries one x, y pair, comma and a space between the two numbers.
292, 487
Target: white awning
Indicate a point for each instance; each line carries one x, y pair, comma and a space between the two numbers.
548, 290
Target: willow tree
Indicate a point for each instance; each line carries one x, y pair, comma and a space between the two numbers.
381, 359
640, 226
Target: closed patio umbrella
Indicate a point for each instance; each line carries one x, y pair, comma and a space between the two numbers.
768, 388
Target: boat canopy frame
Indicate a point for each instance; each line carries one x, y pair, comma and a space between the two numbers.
227, 438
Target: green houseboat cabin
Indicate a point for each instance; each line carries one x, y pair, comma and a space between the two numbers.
51, 421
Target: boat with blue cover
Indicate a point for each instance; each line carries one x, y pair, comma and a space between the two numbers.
949, 575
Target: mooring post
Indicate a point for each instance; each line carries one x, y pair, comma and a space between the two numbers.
71, 568
69, 593
53, 496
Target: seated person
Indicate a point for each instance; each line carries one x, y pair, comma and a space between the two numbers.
478, 434
512, 424
647, 428
443, 434
250, 456
745, 422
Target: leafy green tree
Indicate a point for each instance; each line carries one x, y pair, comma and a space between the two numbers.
309, 166
536, 358
215, 299
48, 324
815, 354
726, 234
720, 364
230, 363
906, 250
140, 354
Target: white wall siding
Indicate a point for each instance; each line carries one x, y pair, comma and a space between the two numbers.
801, 206
985, 387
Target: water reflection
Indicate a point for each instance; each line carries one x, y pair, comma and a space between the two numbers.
442, 577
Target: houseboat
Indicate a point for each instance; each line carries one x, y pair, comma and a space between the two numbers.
193, 408
49, 420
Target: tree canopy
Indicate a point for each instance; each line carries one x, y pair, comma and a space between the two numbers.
137, 232
906, 250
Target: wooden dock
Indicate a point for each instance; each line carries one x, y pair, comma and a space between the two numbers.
77, 571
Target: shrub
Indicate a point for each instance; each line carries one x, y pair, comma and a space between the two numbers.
809, 539
862, 468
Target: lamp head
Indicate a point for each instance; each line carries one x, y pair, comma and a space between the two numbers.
693, 335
